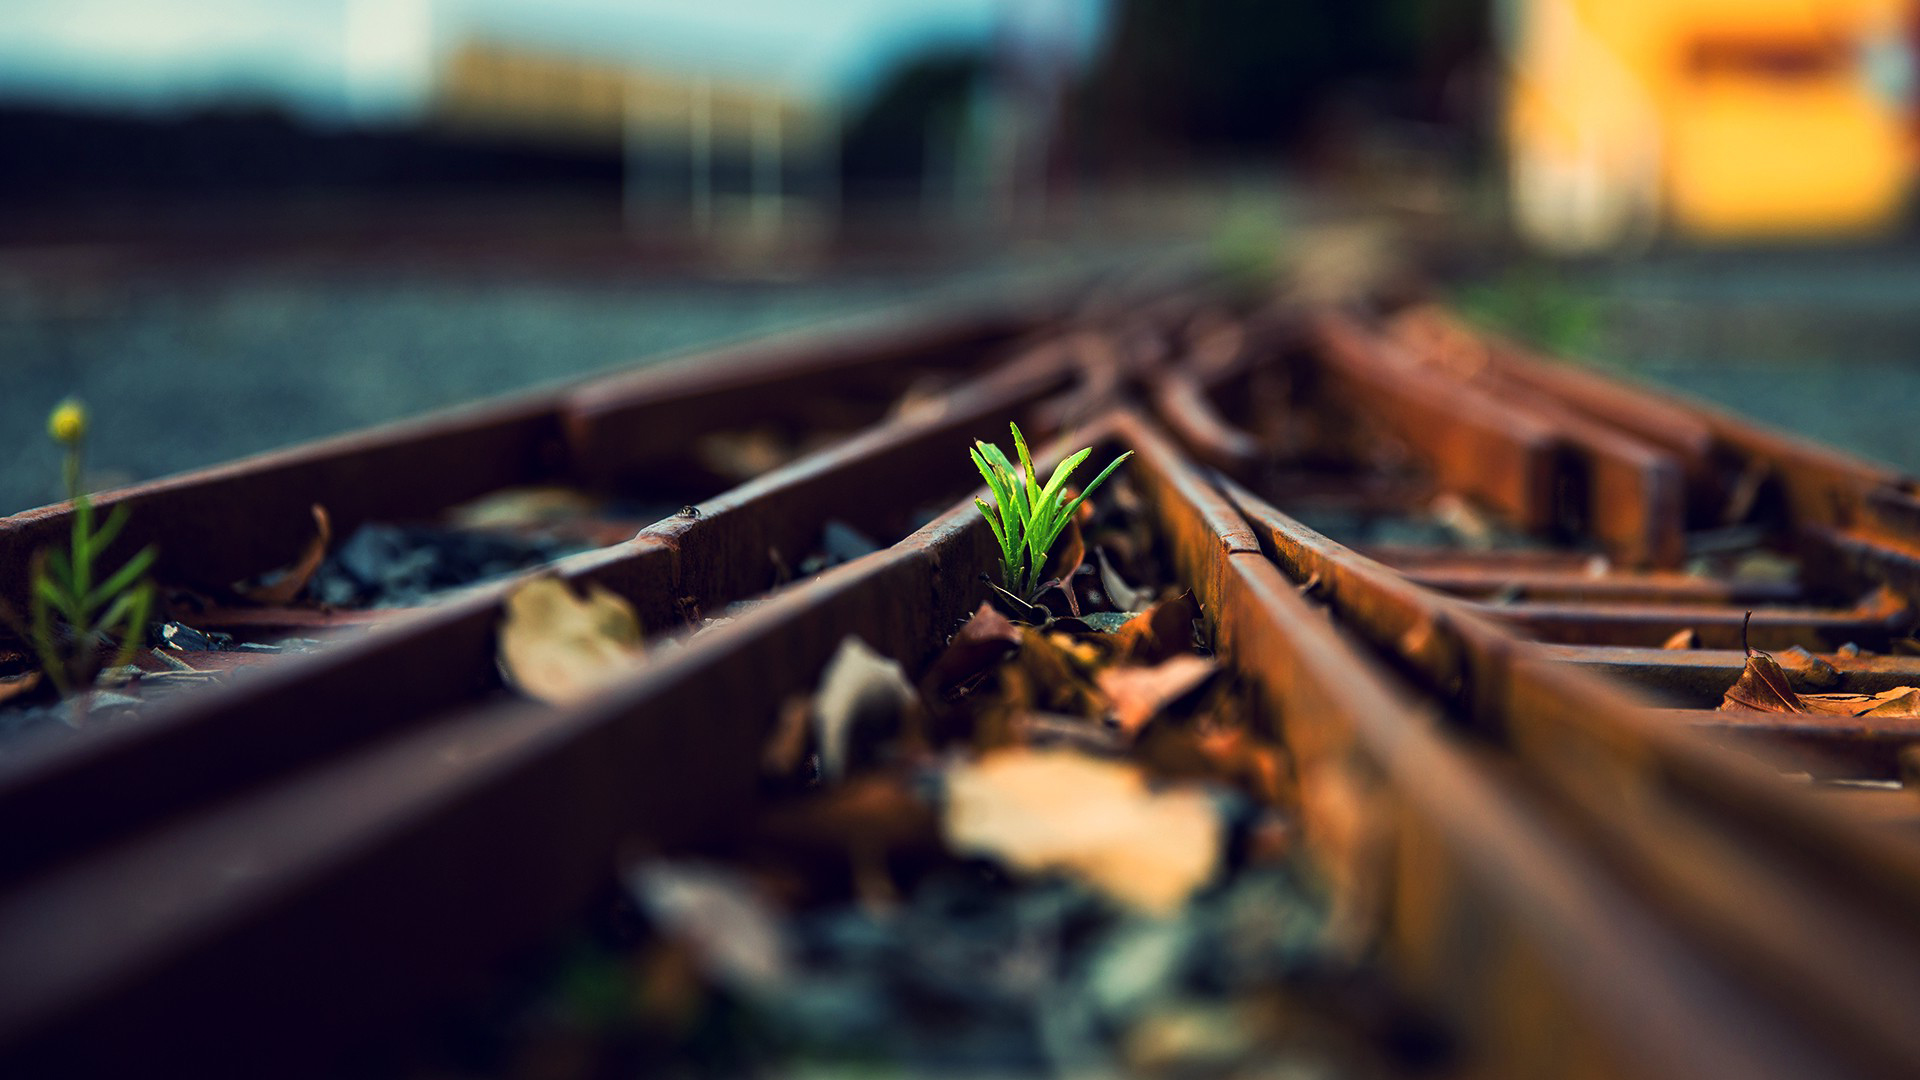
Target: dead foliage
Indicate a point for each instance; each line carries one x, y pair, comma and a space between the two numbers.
1763, 686
560, 648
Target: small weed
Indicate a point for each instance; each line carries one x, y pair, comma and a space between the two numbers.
1027, 517
75, 609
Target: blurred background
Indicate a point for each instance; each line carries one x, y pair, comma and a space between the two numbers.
232, 225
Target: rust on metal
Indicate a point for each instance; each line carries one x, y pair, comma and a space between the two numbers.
1565, 832
1472, 442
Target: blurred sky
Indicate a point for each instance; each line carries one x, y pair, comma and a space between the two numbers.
372, 59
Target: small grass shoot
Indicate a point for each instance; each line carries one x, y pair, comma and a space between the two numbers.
92, 607
1026, 516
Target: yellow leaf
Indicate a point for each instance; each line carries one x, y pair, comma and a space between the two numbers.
1039, 811
559, 648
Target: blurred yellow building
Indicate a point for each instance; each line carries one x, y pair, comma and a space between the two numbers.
1715, 119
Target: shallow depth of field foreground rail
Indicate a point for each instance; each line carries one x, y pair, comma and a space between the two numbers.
1487, 601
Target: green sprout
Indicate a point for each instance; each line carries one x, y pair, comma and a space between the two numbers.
94, 608
1027, 518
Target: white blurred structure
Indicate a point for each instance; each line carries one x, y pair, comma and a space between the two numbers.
735, 162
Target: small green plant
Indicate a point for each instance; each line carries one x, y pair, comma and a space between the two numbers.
1026, 517
94, 608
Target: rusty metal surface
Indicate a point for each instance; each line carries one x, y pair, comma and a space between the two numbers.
1564, 872
1825, 747
449, 845
1694, 826
1484, 578
198, 746
1871, 625
1700, 676
1471, 441
1431, 838
216, 526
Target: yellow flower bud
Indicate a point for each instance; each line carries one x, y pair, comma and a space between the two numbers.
68, 422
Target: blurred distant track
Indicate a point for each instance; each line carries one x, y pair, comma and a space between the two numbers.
1523, 801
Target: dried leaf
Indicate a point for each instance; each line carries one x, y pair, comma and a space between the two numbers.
876, 813
1040, 811
1052, 674
786, 749
1807, 669
735, 934
1762, 686
863, 696
1123, 596
525, 507
981, 641
1159, 633
17, 685
743, 455
1139, 693
559, 648
282, 587
1683, 639
1899, 701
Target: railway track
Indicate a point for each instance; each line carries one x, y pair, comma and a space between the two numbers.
1486, 602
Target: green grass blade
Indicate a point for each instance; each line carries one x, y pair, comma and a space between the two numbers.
1057, 482
995, 482
58, 568
993, 522
54, 596
44, 644
116, 520
1075, 504
1017, 490
131, 609
986, 471
1051, 519
121, 578
1026, 459
82, 570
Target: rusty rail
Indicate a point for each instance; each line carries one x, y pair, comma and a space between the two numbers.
1527, 809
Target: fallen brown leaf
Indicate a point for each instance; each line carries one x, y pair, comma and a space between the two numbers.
863, 696
1683, 639
1040, 811
1897, 701
559, 648
18, 684
736, 936
787, 747
282, 587
1139, 693
1807, 669
877, 812
981, 641
1762, 685
525, 507
742, 455
1159, 633
1051, 673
